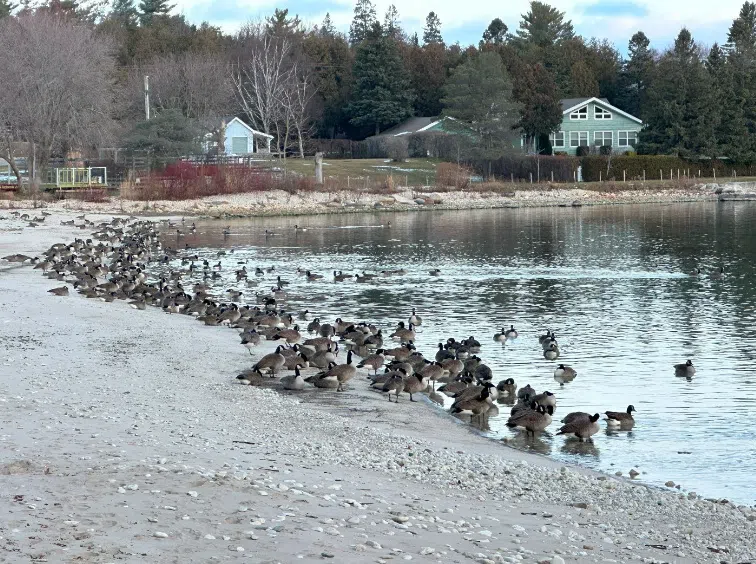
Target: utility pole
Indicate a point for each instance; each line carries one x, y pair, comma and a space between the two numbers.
147, 97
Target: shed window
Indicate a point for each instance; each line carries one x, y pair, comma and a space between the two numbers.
627, 138
601, 113
602, 138
239, 145
580, 114
578, 138
557, 139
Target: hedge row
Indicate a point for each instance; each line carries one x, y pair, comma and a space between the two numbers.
418, 145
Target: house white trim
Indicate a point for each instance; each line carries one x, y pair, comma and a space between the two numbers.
248, 128
606, 115
627, 133
580, 138
603, 138
579, 115
605, 105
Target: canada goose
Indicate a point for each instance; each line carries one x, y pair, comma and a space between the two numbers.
552, 352
290, 335
581, 428
511, 333
501, 337
695, 272
227, 231
327, 330
295, 382
271, 362
138, 304
685, 369
526, 393
312, 276
455, 387
483, 373
322, 359
415, 319
476, 405
546, 398
546, 337
251, 377
404, 335
343, 372
472, 343
507, 388
325, 379
394, 383
442, 353
233, 295
532, 421
452, 366
61, 291
250, 340
297, 228
575, 416
304, 315
314, 326
434, 371
549, 341
374, 361
434, 272
620, 418
564, 374
340, 276
415, 384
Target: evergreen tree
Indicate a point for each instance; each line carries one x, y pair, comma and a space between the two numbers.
149, 9
680, 99
363, 21
6, 8
636, 74
541, 112
432, 29
427, 68
731, 131
544, 26
582, 81
415, 40
495, 34
382, 91
124, 12
391, 24
741, 37
741, 55
327, 28
478, 95
281, 25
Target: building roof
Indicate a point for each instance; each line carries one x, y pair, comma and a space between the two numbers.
227, 120
412, 125
571, 104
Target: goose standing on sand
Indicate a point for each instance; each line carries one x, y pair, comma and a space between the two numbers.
343, 372
271, 362
623, 419
686, 369
395, 383
416, 383
374, 361
250, 339
582, 428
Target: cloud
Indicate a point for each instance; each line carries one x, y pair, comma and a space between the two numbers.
465, 21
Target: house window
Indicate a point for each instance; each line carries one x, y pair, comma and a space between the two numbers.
578, 138
239, 145
601, 113
557, 140
580, 114
627, 138
601, 138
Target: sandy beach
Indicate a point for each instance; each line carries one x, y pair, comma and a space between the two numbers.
126, 438
278, 203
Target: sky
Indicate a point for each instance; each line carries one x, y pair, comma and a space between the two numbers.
615, 20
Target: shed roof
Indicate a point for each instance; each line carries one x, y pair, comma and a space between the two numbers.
227, 120
412, 125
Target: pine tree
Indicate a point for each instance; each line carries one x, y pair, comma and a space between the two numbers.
327, 29
391, 23
281, 25
478, 95
6, 8
541, 112
432, 29
362, 22
583, 82
496, 33
150, 8
544, 26
731, 131
124, 12
382, 90
637, 73
741, 56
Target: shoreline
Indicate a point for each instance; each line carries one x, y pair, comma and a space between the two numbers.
133, 418
278, 203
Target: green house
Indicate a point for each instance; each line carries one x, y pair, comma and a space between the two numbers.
594, 123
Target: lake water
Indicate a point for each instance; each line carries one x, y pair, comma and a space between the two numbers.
612, 283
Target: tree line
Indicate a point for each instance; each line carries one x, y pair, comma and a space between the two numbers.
73, 78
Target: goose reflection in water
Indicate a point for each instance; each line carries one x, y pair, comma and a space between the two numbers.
580, 448
479, 422
532, 443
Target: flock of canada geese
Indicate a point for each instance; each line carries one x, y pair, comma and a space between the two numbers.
124, 260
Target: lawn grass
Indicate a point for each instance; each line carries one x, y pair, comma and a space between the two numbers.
413, 172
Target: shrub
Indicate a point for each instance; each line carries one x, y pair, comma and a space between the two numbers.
397, 148
583, 151
452, 175
521, 167
605, 150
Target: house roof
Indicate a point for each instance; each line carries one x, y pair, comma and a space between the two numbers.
229, 119
412, 125
571, 104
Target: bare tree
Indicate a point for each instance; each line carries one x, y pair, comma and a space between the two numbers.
297, 99
260, 77
56, 92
